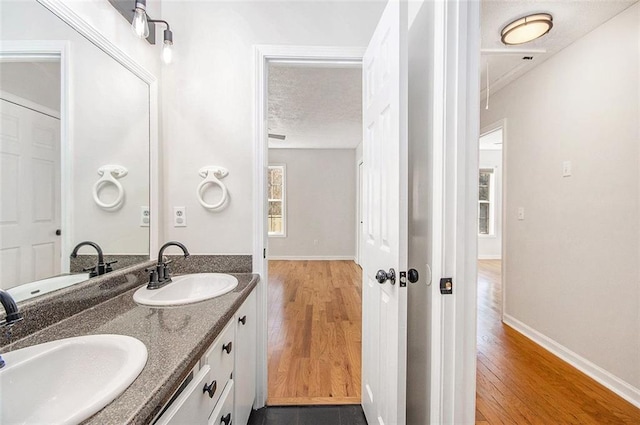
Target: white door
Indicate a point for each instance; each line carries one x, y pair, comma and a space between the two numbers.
384, 320
30, 193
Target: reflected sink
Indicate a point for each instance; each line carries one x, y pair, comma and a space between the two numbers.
187, 289
44, 286
68, 380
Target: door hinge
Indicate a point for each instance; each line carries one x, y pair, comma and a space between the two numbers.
264, 253
446, 285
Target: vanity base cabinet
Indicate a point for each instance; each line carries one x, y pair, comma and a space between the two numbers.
246, 362
223, 387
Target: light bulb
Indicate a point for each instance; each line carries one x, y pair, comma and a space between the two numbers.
140, 25
167, 52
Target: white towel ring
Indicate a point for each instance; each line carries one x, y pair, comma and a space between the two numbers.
110, 175
212, 175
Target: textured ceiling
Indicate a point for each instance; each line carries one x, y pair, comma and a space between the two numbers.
571, 20
315, 106
320, 107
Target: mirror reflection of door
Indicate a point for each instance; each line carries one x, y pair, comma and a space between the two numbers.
30, 213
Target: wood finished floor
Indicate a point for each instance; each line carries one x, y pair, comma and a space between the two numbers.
519, 382
315, 332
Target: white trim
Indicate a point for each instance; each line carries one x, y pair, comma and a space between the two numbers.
61, 10
490, 257
609, 380
262, 55
502, 124
312, 258
21, 101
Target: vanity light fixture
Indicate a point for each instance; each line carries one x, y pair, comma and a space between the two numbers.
140, 24
527, 29
140, 27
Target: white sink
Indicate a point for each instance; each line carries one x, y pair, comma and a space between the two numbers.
68, 380
187, 289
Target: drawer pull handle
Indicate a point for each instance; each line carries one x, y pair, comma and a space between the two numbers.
243, 319
226, 420
211, 389
227, 347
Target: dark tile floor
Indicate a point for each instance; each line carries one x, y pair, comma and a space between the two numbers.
308, 415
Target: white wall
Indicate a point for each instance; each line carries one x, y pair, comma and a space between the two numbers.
320, 204
490, 246
572, 269
208, 100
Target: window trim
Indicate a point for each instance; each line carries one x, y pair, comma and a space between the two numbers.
282, 234
491, 202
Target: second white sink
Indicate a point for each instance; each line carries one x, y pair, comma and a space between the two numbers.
187, 289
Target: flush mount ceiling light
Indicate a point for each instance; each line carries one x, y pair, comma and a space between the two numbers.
527, 29
140, 27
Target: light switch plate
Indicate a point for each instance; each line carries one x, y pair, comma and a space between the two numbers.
179, 216
566, 169
145, 216
520, 213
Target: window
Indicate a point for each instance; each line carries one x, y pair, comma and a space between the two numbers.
485, 202
276, 194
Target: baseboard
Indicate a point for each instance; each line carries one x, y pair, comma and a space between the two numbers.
489, 257
612, 382
311, 258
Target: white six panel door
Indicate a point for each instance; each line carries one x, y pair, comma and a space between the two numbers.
30, 193
384, 324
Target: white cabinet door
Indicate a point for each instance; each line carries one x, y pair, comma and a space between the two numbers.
245, 372
384, 301
223, 413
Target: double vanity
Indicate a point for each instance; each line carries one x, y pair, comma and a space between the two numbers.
182, 353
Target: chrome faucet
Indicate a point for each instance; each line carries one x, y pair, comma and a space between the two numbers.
159, 274
13, 315
100, 268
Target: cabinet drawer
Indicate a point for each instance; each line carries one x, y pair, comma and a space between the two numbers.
223, 413
220, 360
191, 406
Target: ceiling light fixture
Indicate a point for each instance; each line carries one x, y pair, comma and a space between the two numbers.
140, 27
527, 29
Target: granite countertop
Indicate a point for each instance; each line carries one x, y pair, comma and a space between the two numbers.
176, 338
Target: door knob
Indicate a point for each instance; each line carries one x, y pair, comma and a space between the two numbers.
383, 276
412, 275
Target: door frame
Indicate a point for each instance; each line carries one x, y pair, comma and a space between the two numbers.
359, 179
27, 50
263, 55
501, 125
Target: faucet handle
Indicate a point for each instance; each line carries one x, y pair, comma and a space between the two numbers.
92, 271
108, 264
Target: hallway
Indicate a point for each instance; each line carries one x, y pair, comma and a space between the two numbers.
315, 332
519, 382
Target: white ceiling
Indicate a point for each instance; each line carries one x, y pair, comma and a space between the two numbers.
315, 106
571, 20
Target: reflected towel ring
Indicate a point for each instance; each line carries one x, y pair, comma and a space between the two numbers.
212, 175
110, 175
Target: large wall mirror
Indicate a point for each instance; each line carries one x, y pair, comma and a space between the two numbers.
75, 138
